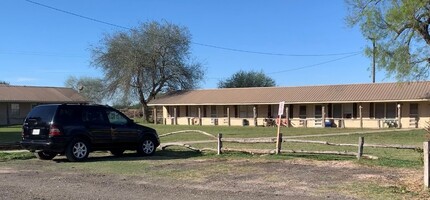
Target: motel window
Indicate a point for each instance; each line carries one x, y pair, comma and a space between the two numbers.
302, 112
171, 111
269, 111
213, 111
291, 111
348, 110
192, 111
318, 111
205, 112
372, 110
245, 111
391, 109
337, 110
413, 109
329, 110
379, 110
14, 110
354, 110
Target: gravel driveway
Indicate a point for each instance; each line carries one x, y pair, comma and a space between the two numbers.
235, 179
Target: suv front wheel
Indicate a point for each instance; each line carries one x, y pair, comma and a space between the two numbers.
77, 150
146, 147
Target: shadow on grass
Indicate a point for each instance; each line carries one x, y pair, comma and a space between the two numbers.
159, 155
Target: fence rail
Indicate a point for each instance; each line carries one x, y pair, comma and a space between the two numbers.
220, 149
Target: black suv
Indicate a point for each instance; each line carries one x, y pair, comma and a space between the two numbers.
75, 130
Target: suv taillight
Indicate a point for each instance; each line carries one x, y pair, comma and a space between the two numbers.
54, 131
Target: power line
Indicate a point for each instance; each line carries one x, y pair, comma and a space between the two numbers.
196, 43
78, 15
299, 68
313, 65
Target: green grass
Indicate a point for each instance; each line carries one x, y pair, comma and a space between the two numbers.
15, 156
239, 132
10, 134
387, 157
400, 158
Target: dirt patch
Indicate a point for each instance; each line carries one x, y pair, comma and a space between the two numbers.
196, 179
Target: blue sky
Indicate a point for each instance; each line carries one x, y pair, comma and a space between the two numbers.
43, 47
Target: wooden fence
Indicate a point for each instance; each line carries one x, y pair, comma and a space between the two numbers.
360, 146
220, 149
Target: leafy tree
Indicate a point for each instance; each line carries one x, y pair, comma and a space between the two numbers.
4, 83
145, 61
400, 29
90, 88
247, 79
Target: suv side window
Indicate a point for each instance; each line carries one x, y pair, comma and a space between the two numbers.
69, 115
93, 116
116, 118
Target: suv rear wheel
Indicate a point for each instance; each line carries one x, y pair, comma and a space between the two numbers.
77, 150
146, 147
45, 155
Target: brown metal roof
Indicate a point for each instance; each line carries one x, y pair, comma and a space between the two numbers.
376, 92
39, 94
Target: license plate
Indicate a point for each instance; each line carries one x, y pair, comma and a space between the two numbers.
36, 132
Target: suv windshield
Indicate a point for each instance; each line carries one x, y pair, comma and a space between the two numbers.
42, 114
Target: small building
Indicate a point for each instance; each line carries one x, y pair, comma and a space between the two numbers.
376, 105
17, 101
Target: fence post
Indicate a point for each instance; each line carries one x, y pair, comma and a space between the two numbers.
426, 165
219, 143
279, 144
360, 147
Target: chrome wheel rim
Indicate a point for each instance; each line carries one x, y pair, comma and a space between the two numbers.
80, 150
148, 146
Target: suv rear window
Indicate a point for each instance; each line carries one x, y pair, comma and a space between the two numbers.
42, 114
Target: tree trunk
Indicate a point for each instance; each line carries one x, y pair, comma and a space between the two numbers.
145, 113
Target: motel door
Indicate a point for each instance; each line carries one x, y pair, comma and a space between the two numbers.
318, 115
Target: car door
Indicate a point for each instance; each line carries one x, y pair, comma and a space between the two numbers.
123, 129
98, 126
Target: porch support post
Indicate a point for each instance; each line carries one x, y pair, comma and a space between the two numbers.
155, 114
228, 116
254, 109
287, 115
175, 117
323, 116
361, 115
399, 115
200, 116
7, 114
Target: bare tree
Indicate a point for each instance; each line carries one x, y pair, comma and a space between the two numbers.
90, 88
150, 59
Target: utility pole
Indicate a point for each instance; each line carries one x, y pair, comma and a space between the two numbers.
374, 59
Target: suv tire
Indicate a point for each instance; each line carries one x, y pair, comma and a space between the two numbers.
146, 147
45, 155
77, 150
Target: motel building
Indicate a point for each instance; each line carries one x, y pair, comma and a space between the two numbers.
17, 101
375, 105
